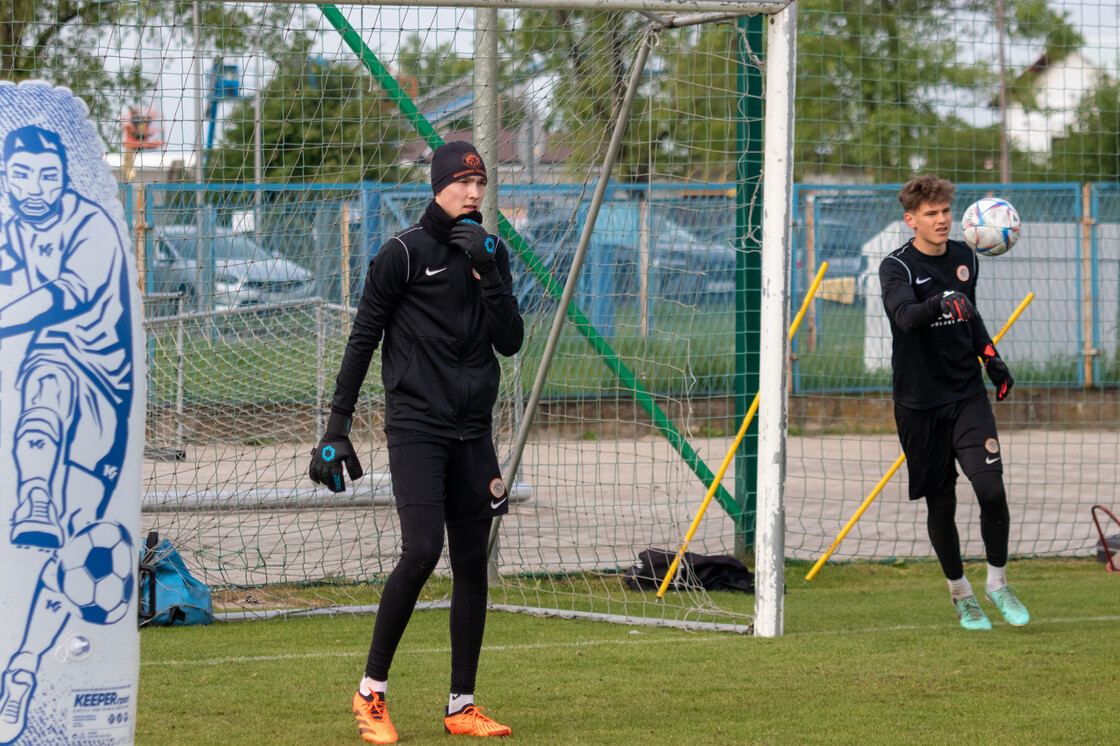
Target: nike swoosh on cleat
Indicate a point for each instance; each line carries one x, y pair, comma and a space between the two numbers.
495, 504
923, 280
991, 460
430, 272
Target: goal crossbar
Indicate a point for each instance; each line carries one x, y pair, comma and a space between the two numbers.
737, 7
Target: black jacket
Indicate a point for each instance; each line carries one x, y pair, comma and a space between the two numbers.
441, 326
934, 357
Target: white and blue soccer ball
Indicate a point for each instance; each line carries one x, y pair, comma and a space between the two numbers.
95, 572
991, 226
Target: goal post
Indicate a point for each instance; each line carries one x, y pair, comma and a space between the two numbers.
777, 231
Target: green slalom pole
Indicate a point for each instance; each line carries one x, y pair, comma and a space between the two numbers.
524, 252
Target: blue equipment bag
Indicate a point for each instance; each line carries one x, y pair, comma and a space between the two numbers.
169, 594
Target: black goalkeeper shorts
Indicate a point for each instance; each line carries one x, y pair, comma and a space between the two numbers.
460, 476
932, 439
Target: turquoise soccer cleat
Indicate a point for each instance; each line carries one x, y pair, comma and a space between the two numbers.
970, 613
1012, 608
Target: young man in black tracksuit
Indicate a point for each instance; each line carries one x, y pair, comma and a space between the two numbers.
940, 402
440, 293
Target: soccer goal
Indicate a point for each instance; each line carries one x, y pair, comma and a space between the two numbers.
640, 171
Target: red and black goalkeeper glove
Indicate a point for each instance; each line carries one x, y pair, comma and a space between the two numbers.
952, 304
333, 451
998, 373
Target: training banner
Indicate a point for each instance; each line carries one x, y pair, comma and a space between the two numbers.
71, 430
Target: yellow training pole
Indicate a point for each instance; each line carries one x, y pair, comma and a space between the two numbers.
735, 446
898, 462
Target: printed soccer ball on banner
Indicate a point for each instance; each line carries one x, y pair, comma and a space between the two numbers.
991, 226
95, 572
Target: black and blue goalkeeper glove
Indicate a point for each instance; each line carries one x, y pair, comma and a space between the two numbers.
333, 451
479, 245
998, 373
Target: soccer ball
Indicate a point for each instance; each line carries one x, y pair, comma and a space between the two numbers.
991, 226
95, 572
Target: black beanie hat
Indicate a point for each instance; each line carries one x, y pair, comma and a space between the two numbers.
454, 161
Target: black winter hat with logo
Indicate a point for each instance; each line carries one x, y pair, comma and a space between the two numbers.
454, 161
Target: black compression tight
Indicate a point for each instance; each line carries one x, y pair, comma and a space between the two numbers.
421, 546
467, 546
995, 518
942, 526
995, 524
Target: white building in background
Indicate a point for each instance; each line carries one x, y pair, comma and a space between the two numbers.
1046, 262
1059, 86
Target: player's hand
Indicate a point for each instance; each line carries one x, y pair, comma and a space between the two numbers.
333, 451
952, 304
469, 236
998, 373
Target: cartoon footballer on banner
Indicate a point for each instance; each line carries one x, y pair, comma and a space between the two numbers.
68, 386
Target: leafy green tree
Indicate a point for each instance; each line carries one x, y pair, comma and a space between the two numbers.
878, 92
880, 88
697, 107
429, 70
75, 43
590, 52
1090, 149
319, 123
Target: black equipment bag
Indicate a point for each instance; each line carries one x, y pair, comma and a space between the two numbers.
710, 572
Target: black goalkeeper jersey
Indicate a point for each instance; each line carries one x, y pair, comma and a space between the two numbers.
934, 357
441, 327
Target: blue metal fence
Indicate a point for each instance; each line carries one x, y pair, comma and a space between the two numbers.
660, 249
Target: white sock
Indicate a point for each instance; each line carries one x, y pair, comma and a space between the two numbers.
997, 578
373, 685
459, 701
959, 589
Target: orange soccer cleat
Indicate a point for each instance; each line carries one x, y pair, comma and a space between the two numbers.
470, 721
373, 718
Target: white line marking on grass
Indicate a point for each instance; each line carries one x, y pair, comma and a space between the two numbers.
591, 643
905, 627
426, 651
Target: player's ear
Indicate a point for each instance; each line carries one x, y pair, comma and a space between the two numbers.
909, 219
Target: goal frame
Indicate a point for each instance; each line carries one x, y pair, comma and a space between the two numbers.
776, 224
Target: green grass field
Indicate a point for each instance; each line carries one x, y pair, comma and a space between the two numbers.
871, 654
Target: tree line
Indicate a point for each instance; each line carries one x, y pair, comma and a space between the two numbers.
884, 89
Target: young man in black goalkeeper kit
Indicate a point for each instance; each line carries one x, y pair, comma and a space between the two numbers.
941, 405
440, 292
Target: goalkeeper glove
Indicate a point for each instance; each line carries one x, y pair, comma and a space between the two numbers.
998, 373
951, 303
333, 451
469, 236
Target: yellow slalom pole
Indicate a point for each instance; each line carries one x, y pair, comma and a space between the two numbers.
738, 439
898, 461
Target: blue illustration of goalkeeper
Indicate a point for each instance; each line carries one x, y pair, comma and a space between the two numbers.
66, 257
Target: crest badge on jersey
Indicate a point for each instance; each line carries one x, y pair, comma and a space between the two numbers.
71, 429
991, 445
962, 273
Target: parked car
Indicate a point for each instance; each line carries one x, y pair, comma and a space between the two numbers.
242, 273
683, 268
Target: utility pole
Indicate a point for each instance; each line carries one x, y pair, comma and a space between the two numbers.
1004, 150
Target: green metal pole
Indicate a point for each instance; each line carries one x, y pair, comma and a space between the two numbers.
748, 296
611, 358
